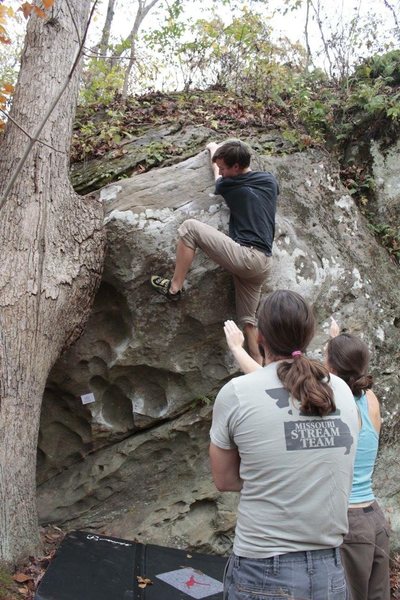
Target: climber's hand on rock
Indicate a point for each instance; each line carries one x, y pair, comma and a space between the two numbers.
334, 329
211, 147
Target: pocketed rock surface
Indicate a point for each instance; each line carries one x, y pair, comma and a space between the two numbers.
134, 463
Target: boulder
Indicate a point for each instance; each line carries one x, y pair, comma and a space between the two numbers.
385, 161
134, 462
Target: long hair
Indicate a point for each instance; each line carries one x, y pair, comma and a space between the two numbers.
287, 325
348, 357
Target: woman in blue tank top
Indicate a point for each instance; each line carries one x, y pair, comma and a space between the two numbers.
365, 549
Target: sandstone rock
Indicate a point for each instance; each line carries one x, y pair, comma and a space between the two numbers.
163, 144
385, 168
134, 463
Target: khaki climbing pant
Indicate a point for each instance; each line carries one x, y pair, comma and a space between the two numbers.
249, 266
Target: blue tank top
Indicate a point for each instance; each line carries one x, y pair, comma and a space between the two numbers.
367, 449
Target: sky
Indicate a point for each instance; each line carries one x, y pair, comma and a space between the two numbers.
334, 14
291, 24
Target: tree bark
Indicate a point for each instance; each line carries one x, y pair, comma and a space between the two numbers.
52, 247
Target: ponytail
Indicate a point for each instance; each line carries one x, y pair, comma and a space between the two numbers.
348, 358
308, 381
359, 385
287, 325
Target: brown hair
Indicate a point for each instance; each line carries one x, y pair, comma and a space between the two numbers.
232, 153
348, 357
287, 325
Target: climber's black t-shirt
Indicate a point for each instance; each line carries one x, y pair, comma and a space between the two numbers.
251, 198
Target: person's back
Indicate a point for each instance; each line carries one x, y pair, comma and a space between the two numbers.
251, 198
294, 467
285, 437
367, 450
365, 550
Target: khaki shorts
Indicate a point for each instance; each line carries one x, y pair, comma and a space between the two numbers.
249, 266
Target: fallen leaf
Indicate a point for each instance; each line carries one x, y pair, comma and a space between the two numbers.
23, 591
21, 577
143, 581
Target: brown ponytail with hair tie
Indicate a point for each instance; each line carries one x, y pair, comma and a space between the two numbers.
285, 320
348, 357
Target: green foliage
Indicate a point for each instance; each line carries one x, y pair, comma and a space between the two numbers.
101, 81
312, 104
239, 56
97, 136
168, 37
155, 153
373, 99
384, 66
372, 95
388, 236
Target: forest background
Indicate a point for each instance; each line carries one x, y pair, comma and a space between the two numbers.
322, 75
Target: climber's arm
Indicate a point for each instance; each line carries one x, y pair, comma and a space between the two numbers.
211, 147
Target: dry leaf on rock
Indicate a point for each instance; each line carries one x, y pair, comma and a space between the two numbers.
21, 577
143, 581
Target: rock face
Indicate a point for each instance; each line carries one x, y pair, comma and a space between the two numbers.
134, 462
387, 179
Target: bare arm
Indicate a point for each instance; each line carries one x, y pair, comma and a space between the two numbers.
211, 147
334, 329
374, 410
235, 340
225, 466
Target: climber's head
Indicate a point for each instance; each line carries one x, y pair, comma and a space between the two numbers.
232, 158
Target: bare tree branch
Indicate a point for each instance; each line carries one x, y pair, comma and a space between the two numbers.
28, 135
309, 60
394, 14
93, 53
105, 36
317, 13
74, 22
53, 104
141, 14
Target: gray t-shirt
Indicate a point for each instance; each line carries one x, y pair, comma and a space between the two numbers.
296, 469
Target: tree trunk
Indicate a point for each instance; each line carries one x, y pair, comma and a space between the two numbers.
309, 55
105, 36
51, 248
142, 12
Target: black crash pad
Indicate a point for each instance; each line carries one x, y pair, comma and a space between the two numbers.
96, 567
